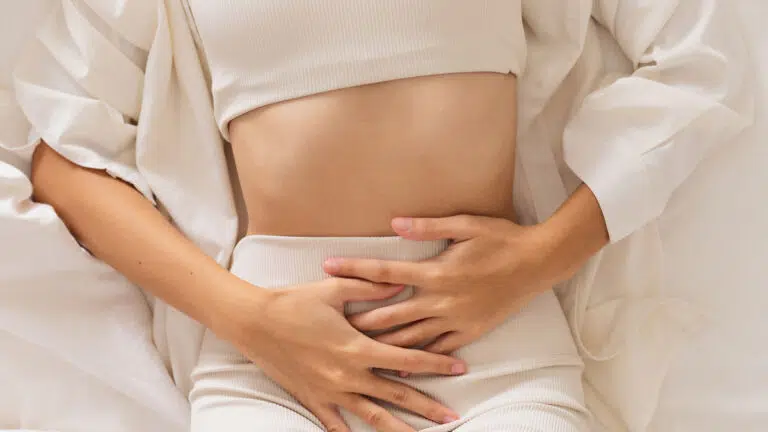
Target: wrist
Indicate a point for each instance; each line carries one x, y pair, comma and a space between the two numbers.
234, 302
573, 234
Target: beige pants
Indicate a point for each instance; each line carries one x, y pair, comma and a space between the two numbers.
524, 376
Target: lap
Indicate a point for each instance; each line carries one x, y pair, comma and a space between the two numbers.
525, 374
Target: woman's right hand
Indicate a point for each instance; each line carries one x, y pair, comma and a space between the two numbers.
300, 338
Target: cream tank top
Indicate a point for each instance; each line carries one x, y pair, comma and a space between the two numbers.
261, 52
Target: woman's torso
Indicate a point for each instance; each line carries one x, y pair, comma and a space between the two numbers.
422, 125
346, 162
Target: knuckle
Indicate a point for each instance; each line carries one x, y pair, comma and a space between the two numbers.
334, 375
444, 304
374, 417
382, 271
400, 396
410, 362
353, 349
403, 340
411, 334
434, 412
385, 317
423, 225
435, 274
338, 376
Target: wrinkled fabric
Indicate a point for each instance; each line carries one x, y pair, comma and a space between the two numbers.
118, 86
644, 92
713, 235
76, 347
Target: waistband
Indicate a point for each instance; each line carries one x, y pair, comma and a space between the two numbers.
275, 261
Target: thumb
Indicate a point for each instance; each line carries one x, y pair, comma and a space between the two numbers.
458, 228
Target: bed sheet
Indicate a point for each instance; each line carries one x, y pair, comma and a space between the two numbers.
715, 234
76, 352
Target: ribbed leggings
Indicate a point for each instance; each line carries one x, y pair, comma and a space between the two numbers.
525, 376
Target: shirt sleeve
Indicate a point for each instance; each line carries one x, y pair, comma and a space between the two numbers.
636, 140
80, 83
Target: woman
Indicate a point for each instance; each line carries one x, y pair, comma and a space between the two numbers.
387, 100
332, 103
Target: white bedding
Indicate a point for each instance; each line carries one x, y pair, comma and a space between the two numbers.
715, 236
75, 337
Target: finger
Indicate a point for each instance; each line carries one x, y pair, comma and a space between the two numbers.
459, 228
387, 317
376, 416
329, 416
411, 400
448, 343
390, 272
416, 334
383, 356
353, 290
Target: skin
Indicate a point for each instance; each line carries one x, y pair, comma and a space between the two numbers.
492, 269
345, 163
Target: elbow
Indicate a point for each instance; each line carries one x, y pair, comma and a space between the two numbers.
55, 183
50, 174
39, 172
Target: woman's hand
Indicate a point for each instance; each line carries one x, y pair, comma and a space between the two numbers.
492, 269
301, 339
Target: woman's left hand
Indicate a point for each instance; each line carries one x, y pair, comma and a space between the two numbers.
491, 270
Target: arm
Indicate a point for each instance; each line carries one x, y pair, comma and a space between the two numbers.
86, 167
571, 236
632, 144
122, 228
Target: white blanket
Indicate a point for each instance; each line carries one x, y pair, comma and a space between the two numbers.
79, 336
714, 234
75, 337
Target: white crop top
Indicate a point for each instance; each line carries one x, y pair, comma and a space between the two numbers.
265, 51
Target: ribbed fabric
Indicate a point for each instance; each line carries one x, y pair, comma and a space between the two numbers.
264, 52
523, 376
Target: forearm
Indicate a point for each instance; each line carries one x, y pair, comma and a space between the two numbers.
120, 227
576, 232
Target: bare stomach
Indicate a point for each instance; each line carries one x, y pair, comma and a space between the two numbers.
344, 163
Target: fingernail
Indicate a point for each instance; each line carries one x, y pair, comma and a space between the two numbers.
332, 264
402, 224
450, 418
458, 369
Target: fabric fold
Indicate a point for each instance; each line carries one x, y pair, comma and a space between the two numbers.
636, 140
118, 86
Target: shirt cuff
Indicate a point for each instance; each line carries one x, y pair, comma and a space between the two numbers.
620, 182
